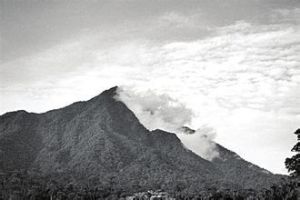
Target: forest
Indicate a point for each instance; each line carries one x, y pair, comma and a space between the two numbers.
20, 185
33, 185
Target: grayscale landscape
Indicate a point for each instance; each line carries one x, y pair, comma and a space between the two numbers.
150, 100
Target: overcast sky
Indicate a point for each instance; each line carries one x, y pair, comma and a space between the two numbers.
235, 63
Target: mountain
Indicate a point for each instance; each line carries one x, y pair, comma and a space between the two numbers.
101, 140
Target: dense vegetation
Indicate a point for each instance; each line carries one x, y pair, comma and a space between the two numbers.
33, 185
19, 185
293, 163
99, 150
102, 138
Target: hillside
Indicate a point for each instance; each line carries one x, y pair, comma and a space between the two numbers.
101, 138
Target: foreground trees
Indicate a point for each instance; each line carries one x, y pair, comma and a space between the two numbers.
19, 185
293, 163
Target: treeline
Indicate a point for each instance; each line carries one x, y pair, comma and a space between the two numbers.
284, 191
21, 185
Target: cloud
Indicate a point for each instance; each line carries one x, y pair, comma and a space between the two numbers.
239, 79
201, 142
156, 111
160, 111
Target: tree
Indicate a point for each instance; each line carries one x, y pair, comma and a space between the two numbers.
293, 163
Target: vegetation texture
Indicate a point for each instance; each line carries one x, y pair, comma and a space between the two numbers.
99, 146
293, 163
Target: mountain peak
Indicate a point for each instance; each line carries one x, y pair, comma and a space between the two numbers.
110, 92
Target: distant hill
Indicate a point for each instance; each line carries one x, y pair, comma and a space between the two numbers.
101, 140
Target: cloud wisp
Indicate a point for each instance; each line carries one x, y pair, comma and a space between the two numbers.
156, 111
201, 142
160, 111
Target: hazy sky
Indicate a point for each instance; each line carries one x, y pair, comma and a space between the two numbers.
235, 63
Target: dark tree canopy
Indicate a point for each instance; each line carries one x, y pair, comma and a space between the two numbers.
293, 163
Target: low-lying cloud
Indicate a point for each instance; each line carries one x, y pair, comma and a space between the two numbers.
160, 111
201, 142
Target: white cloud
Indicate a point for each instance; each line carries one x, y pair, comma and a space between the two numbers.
159, 111
156, 111
201, 142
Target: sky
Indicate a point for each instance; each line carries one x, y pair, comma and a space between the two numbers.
234, 63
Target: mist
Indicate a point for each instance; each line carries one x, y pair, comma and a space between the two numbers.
201, 142
160, 111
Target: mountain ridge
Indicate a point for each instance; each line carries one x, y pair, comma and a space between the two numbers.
101, 137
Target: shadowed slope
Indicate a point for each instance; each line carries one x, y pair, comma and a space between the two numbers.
102, 138
99, 137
